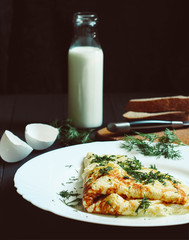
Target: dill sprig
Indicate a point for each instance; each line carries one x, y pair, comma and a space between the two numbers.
153, 167
105, 171
77, 201
102, 160
145, 177
71, 135
163, 147
131, 165
144, 204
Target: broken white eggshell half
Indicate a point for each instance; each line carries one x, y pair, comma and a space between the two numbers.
12, 148
40, 136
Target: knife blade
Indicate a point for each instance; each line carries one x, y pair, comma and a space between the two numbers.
145, 124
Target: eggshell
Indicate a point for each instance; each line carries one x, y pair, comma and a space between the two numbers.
40, 136
12, 148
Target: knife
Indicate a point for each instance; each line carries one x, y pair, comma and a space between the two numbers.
145, 124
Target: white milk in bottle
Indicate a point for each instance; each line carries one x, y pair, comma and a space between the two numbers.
86, 86
85, 75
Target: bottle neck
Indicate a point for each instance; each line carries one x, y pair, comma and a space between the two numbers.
85, 31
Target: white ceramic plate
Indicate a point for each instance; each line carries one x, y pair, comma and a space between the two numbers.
41, 179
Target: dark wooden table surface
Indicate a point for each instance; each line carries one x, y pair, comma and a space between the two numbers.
22, 220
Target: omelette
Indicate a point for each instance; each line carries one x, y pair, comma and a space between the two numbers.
118, 185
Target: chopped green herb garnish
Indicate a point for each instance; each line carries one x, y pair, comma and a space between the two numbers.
108, 202
66, 195
132, 168
144, 204
144, 177
74, 203
69, 166
153, 167
106, 170
146, 146
134, 164
170, 137
126, 177
102, 160
69, 134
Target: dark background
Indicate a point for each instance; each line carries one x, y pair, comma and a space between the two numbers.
145, 44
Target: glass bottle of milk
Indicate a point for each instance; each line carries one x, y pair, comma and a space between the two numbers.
85, 73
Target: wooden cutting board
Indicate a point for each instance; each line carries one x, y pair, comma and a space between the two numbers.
105, 135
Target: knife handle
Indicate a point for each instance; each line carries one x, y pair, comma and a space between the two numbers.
143, 124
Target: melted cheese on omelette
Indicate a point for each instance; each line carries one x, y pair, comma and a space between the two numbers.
115, 184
